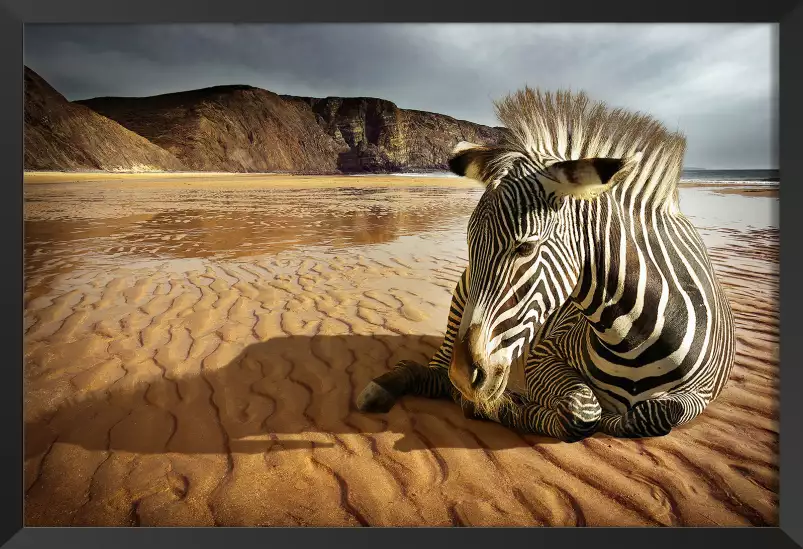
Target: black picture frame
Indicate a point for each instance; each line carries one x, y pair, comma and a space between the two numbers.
14, 14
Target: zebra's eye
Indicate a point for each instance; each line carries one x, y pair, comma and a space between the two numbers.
524, 249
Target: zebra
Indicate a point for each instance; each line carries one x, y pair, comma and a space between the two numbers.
581, 265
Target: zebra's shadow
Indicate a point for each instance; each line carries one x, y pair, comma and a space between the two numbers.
285, 393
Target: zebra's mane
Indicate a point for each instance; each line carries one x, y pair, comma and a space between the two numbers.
549, 127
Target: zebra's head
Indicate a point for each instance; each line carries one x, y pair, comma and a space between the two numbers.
523, 253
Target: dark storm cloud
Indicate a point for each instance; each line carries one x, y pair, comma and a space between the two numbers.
716, 83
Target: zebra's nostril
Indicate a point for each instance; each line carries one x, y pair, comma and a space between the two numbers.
477, 377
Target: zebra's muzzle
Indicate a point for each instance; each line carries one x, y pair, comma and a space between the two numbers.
470, 371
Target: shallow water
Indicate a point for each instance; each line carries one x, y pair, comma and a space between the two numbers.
708, 208
77, 225
70, 226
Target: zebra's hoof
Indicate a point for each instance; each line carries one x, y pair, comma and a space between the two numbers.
375, 399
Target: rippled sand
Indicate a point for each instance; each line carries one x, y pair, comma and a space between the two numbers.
194, 346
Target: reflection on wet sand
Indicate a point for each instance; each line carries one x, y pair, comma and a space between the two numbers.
192, 355
79, 233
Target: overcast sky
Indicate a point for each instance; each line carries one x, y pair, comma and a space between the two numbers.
716, 83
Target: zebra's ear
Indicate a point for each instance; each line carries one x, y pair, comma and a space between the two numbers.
467, 160
473, 161
588, 177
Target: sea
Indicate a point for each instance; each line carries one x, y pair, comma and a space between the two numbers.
689, 175
769, 177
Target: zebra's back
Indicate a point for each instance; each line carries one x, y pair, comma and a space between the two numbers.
681, 341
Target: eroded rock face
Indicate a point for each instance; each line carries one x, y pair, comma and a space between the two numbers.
64, 136
228, 129
238, 129
382, 137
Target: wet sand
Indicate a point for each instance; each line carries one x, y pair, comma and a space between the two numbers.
744, 188
194, 346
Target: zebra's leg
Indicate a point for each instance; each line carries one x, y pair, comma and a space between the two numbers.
653, 418
411, 378
559, 403
407, 378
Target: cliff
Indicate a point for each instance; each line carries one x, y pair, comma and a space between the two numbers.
228, 129
382, 137
242, 129
64, 136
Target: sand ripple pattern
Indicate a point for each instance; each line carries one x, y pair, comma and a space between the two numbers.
222, 394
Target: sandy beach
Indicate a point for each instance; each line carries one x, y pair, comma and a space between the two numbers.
194, 345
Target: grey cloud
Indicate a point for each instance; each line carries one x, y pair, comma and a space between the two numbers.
717, 83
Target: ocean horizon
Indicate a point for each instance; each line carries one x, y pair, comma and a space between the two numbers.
690, 175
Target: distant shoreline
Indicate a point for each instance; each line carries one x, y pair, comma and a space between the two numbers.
51, 176
160, 179
241, 174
